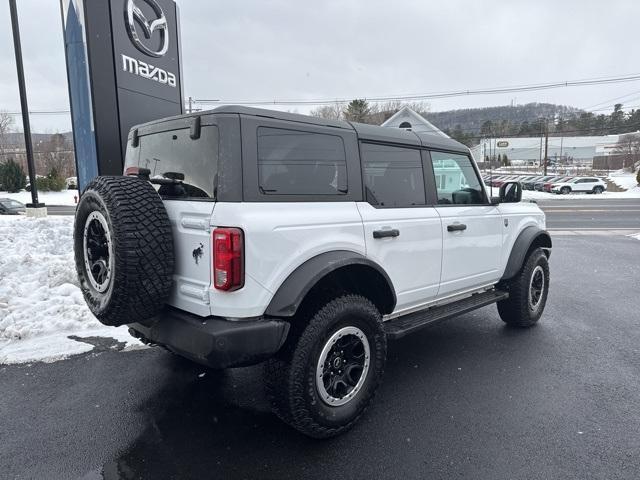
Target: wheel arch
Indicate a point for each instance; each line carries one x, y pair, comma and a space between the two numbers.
529, 239
342, 269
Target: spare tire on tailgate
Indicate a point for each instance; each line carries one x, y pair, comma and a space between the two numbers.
123, 249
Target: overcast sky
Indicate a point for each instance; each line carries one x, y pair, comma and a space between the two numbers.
260, 49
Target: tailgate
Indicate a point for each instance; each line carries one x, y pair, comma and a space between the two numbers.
190, 222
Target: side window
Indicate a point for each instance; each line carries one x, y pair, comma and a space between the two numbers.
293, 162
393, 176
456, 179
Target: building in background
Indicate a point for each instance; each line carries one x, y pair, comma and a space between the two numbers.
407, 118
579, 151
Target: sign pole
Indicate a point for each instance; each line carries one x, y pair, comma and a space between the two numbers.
24, 107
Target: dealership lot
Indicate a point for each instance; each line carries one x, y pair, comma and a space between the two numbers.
467, 398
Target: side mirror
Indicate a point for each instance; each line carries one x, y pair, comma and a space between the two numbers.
511, 192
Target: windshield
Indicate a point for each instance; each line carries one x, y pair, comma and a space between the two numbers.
180, 167
11, 204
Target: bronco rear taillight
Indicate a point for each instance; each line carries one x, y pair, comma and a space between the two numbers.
228, 259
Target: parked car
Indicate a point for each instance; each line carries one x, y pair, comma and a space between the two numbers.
72, 183
538, 186
305, 243
547, 185
499, 181
525, 178
9, 206
529, 183
580, 184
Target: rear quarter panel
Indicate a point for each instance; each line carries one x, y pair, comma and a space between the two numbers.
278, 238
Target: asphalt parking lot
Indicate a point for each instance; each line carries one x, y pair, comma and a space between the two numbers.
468, 398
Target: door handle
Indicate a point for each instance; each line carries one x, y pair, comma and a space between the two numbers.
456, 227
386, 233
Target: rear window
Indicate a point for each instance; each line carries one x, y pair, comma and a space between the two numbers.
294, 162
180, 167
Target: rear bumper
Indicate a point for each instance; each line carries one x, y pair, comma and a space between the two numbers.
214, 341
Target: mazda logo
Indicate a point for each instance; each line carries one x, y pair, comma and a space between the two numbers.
135, 19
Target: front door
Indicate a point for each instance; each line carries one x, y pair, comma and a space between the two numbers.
402, 234
471, 227
584, 185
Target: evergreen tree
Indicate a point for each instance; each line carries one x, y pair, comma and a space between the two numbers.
357, 111
616, 119
12, 177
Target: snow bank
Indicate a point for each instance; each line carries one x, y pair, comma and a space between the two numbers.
624, 179
64, 197
40, 301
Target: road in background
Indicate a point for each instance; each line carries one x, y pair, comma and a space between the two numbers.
592, 214
61, 209
469, 398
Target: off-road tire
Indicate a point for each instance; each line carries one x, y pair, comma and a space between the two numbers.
516, 310
142, 246
291, 375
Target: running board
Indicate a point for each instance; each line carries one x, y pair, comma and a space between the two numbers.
401, 326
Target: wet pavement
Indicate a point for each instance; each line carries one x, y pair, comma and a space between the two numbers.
468, 398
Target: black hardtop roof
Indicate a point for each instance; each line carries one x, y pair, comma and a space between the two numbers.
364, 131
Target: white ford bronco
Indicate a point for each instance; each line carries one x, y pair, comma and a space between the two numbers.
240, 235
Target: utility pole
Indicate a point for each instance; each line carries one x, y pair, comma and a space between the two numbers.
546, 145
540, 149
35, 208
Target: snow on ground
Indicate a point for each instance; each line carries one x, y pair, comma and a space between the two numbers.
41, 304
64, 197
624, 179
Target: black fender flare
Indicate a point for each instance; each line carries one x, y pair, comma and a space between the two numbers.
522, 245
293, 290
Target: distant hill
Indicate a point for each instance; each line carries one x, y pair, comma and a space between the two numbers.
470, 120
17, 138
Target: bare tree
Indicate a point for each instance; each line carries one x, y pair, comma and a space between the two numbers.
6, 124
332, 111
376, 112
629, 146
57, 153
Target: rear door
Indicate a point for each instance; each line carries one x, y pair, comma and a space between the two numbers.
187, 166
471, 227
402, 233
